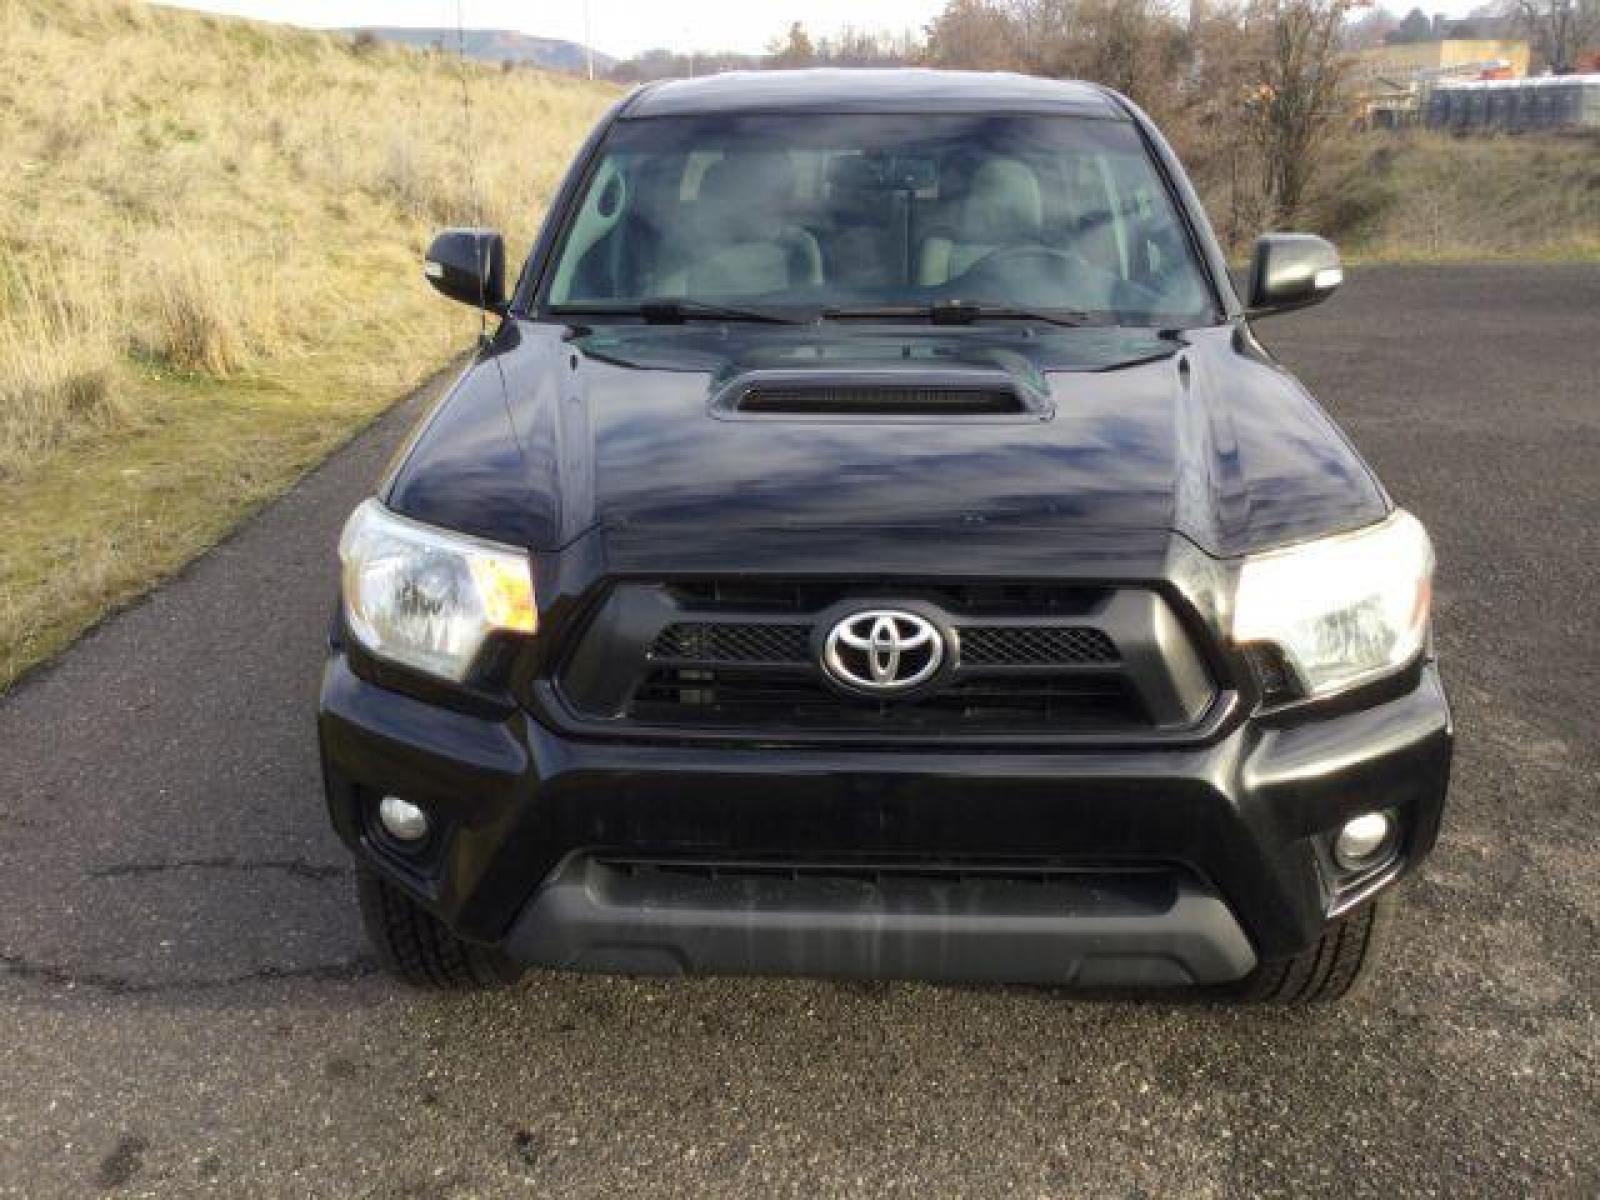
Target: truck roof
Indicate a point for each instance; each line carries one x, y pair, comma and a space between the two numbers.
909, 90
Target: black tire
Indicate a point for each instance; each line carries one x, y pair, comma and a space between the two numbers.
1327, 971
415, 946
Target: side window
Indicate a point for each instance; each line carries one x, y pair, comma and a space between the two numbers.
583, 264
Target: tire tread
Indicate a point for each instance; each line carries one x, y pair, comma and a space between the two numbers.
416, 947
1326, 971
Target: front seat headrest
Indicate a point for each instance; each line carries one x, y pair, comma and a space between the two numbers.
748, 189
1003, 204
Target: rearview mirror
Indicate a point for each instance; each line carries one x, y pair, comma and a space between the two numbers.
1292, 270
469, 265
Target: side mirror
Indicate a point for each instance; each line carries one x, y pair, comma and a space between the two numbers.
469, 265
1290, 271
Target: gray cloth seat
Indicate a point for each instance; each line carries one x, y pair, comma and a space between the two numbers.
1003, 207
737, 238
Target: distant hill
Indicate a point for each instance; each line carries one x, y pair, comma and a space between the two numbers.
496, 45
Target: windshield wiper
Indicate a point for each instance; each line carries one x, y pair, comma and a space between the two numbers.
965, 312
675, 310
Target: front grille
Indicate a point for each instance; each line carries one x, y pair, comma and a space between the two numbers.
723, 643
1034, 646
981, 645
730, 698
740, 657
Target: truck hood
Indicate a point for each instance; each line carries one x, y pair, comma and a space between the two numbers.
561, 431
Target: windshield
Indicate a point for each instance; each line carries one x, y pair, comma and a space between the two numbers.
825, 215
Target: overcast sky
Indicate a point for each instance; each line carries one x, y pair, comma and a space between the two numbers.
625, 27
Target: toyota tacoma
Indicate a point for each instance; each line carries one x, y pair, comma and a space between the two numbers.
870, 541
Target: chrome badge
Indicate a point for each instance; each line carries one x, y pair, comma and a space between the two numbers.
883, 651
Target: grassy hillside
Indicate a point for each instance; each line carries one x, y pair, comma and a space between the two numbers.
1428, 196
494, 45
210, 240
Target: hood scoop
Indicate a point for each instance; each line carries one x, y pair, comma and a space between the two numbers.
878, 395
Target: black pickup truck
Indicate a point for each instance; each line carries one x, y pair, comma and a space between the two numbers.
872, 542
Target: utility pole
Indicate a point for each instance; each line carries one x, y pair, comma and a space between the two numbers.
588, 40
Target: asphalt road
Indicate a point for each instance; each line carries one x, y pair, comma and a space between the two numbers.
186, 1004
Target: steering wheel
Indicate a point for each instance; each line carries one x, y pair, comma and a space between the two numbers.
1042, 261
1013, 256
1030, 271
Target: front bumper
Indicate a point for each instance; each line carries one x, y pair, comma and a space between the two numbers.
1091, 927
539, 838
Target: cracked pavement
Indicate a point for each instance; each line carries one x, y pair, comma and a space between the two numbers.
187, 1005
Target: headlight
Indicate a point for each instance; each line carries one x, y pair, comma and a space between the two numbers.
428, 599
1342, 610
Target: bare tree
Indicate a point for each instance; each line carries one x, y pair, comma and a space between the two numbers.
1135, 46
1413, 27
1557, 29
793, 50
1247, 90
855, 47
975, 35
1213, 132
1373, 29
1297, 99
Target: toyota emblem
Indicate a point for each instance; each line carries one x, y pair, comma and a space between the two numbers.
883, 651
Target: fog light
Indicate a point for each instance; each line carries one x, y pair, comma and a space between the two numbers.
403, 820
1363, 841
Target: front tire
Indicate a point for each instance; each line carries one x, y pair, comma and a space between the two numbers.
1329, 969
415, 946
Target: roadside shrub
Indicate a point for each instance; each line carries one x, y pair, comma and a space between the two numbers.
430, 184
1356, 191
56, 360
400, 179
197, 322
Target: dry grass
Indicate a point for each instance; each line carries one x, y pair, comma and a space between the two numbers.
1432, 197
210, 237
57, 360
210, 232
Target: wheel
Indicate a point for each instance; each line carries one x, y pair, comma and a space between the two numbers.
415, 946
1327, 970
